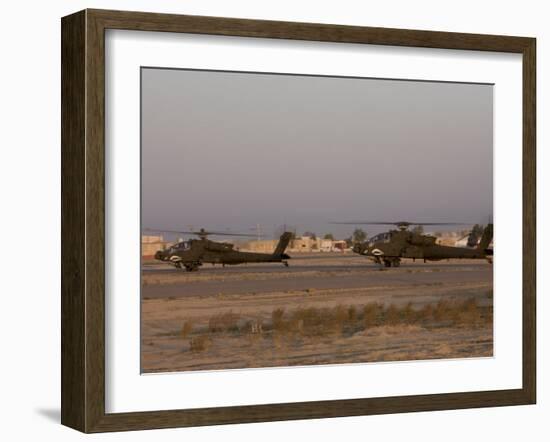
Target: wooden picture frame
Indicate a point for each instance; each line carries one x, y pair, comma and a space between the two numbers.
83, 220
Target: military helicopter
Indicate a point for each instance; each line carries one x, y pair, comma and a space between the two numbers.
389, 248
191, 254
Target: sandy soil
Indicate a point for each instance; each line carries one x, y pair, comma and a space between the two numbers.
178, 332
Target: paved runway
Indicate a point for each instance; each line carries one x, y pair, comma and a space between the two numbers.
298, 265
263, 278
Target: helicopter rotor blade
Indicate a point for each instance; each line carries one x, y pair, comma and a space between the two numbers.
184, 232
400, 223
225, 234
201, 232
364, 222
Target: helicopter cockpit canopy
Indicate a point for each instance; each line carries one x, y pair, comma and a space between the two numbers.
381, 237
180, 246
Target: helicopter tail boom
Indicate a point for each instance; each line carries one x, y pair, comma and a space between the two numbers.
486, 238
283, 244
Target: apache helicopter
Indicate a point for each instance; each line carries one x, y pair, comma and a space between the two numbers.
191, 254
389, 247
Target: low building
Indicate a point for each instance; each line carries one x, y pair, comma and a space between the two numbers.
151, 243
446, 241
462, 242
326, 245
308, 244
339, 245
258, 246
302, 244
447, 238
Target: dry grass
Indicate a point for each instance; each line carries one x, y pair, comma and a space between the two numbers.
186, 329
465, 313
314, 323
373, 314
253, 326
224, 322
277, 318
445, 313
392, 315
199, 343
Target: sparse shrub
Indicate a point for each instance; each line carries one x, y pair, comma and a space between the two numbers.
441, 310
278, 341
426, 313
392, 315
355, 321
470, 305
408, 314
224, 322
253, 326
337, 319
352, 313
469, 313
341, 314
456, 313
277, 318
186, 329
297, 326
309, 321
314, 322
371, 314
199, 343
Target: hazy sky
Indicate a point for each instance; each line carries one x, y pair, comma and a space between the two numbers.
232, 150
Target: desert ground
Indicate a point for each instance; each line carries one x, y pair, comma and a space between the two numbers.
326, 308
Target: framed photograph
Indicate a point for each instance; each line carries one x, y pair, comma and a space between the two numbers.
269, 220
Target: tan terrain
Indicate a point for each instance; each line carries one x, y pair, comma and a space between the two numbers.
324, 309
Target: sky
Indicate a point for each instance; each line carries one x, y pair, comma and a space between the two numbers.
231, 151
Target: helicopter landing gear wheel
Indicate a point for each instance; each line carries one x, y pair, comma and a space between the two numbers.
177, 265
192, 267
285, 263
395, 262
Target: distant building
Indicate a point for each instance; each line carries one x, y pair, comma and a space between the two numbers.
447, 238
326, 245
261, 246
332, 245
446, 241
151, 243
303, 244
455, 239
339, 245
462, 242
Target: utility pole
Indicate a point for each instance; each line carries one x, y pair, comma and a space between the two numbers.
259, 231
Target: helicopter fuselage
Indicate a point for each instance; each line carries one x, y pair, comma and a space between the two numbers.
193, 253
388, 248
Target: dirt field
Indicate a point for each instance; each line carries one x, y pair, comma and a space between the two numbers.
324, 309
